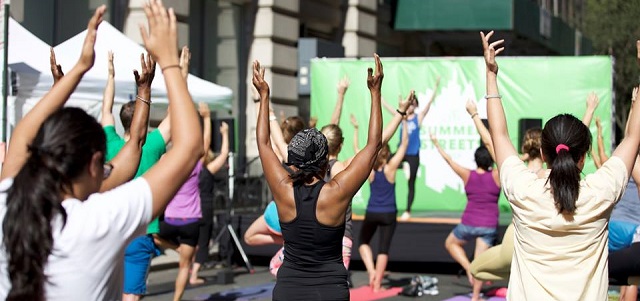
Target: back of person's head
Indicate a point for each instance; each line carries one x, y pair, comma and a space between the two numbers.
334, 138
62, 150
291, 126
126, 115
483, 158
383, 156
308, 152
565, 142
531, 143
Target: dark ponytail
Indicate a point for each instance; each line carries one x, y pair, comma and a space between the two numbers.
60, 152
565, 141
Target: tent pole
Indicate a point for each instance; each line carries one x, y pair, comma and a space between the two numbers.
5, 67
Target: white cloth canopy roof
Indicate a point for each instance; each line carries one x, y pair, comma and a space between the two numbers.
126, 58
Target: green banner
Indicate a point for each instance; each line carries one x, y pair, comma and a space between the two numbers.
531, 87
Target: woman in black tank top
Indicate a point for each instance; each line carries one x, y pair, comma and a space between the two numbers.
312, 212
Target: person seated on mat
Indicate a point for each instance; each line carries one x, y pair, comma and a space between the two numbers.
560, 235
381, 209
312, 212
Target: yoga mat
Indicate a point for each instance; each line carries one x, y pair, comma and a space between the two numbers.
251, 293
467, 298
365, 293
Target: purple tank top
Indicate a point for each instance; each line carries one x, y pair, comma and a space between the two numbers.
186, 202
482, 201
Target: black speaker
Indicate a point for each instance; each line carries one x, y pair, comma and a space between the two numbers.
216, 137
523, 125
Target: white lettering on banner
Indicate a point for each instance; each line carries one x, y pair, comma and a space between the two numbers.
456, 133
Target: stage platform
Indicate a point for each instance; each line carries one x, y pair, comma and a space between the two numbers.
417, 240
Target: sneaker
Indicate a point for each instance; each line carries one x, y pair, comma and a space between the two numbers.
405, 216
431, 291
428, 281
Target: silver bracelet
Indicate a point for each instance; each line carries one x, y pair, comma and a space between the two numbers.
492, 96
148, 102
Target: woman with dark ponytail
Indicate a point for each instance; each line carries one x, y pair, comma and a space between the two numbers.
63, 238
559, 221
312, 212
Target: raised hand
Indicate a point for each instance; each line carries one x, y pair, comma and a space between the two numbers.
403, 105
490, 51
148, 67
224, 128
161, 40
112, 72
592, 101
258, 80
343, 85
598, 124
471, 106
56, 70
634, 94
185, 60
204, 110
374, 82
434, 139
88, 55
354, 121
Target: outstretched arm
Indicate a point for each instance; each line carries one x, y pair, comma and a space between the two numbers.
389, 107
472, 109
277, 139
397, 158
502, 145
126, 162
343, 85
205, 113
27, 128
462, 172
108, 95
351, 178
602, 155
221, 159
424, 112
354, 122
173, 169
274, 173
592, 104
398, 116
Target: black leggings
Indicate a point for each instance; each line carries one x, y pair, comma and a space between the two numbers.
624, 264
206, 227
414, 163
387, 223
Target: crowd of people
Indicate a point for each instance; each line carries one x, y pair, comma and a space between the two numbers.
84, 210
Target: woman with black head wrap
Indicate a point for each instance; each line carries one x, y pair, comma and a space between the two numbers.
312, 212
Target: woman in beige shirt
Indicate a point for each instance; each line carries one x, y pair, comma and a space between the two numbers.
560, 222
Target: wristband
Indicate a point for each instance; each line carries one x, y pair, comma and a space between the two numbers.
401, 113
170, 66
492, 96
474, 115
148, 102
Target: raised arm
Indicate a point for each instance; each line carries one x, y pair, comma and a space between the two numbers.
602, 155
424, 112
398, 116
472, 109
627, 150
185, 61
502, 145
56, 70
389, 107
173, 169
126, 162
462, 172
205, 113
274, 173
592, 104
343, 85
397, 158
108, 95
354, 122
351, 178
277, 139
634, 95
27, 128
221, 159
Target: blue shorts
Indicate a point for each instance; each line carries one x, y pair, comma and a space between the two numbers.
621, 235
467, 233
137, 260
